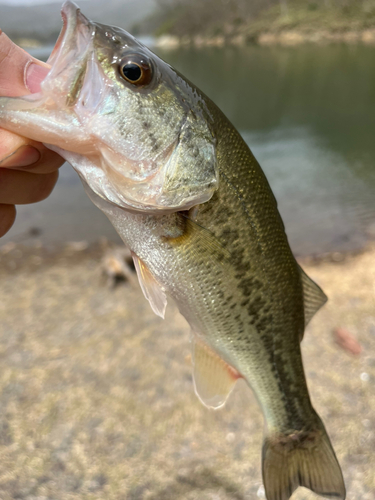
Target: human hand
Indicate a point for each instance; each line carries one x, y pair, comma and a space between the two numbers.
28, 170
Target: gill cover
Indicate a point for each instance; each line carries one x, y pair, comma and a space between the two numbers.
145, 147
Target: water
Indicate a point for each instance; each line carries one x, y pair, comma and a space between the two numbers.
308, 115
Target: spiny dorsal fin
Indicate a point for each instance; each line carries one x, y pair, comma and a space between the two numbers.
313, 296
213, 378
151, 289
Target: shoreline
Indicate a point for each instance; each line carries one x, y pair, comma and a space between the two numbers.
286, 37
24, 258
269, 38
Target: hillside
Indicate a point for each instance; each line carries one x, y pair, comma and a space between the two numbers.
239, 21
43, 22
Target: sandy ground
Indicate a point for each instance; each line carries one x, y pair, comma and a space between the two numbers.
96, 396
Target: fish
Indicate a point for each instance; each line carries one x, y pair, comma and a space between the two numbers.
189, 199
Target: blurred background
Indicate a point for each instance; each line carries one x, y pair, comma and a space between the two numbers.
96, 397
295, 77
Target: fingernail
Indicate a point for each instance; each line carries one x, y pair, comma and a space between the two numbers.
22, 157
34, 75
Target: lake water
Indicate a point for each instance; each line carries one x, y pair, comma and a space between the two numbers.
307, 113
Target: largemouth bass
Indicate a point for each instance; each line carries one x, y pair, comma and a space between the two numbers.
187, 196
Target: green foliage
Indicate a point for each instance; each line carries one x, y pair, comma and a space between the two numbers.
166, 27
329, 15
192, 17
231, 17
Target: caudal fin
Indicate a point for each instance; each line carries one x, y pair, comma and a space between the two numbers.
301, 459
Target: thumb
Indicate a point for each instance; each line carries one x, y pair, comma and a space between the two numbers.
20, 74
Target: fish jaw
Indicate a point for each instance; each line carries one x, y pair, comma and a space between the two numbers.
73, 19
45, 116
76, 82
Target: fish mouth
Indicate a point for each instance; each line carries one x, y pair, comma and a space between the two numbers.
74, 25
69, 57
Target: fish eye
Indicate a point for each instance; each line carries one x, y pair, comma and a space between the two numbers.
136, 69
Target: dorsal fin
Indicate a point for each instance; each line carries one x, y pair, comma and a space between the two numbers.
313, 296
151, 289
213, 378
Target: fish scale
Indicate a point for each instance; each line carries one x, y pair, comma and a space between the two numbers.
185, 193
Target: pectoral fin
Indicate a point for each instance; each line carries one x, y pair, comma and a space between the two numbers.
213, 378
151, 289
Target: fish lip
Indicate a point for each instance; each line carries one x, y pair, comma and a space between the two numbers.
72, 18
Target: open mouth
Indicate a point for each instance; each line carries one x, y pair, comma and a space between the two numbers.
60, 37
73, 20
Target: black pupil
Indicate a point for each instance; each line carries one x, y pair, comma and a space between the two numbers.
132, 72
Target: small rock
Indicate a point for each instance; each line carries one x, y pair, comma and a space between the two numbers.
261, 492
337, 257
36, 260
8, 247
35, 231
347, 341
77, 246
366, 423
117, 265
230, 437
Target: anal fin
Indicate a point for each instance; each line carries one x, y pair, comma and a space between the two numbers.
151, 289
213, 378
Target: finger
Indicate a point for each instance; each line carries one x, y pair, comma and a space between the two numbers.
20, 73
47, 161
7, 217
26, 76
23, 154
19, 188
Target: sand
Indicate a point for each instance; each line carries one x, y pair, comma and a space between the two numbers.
96, 395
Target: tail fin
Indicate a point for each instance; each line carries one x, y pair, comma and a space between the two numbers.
304, 458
